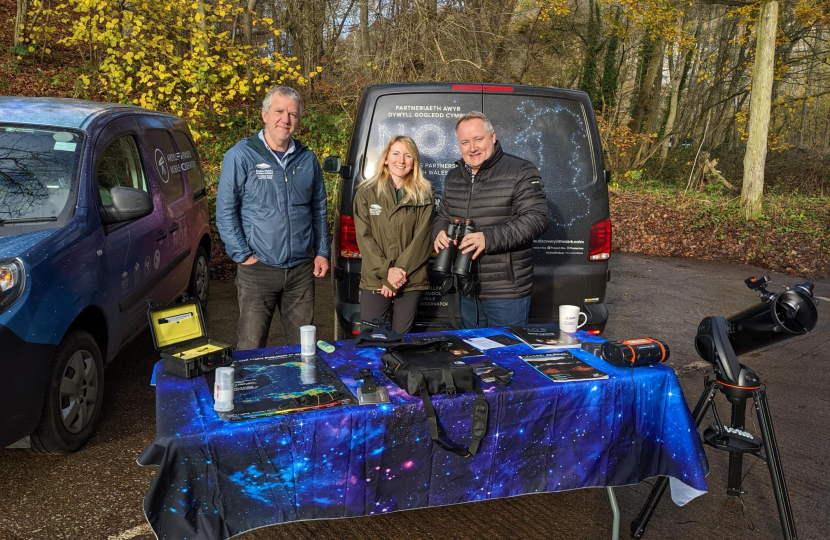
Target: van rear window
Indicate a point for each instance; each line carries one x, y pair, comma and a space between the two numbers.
551, 132
430, 120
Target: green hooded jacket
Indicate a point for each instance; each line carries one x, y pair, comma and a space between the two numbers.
392, 234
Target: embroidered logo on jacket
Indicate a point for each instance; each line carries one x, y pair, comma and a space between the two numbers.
374, 210
264, 171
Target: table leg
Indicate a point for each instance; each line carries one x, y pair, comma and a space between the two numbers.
615, 509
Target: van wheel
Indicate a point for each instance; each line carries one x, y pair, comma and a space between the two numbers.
199, 288
338, 331
73, 398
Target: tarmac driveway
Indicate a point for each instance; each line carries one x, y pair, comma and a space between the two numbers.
97, 493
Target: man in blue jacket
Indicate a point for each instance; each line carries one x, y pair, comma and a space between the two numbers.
271, 215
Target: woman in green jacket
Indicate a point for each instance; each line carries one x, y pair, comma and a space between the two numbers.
393, 214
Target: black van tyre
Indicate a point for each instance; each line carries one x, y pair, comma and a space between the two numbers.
73, 397
199, 288
338, 331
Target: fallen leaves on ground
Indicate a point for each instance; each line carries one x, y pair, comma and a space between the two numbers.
652, 224
657, 225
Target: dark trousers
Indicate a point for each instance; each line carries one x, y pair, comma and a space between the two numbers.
261, 289
493, 312
400, 309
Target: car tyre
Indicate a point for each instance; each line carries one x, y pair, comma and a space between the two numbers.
199, 288
73, 397
338, 330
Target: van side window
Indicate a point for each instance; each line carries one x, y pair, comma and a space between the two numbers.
120, 166
189, 161
166, 162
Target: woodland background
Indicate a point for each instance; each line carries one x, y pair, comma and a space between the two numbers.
670, 80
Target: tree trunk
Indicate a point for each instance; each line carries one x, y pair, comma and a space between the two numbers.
676, 73
807, 91
611, 70
247, 36
20, 20
653, 107
364, 29
652, 72
759, 110
723, 84
200, 11
313, 30
589, 74
500, 56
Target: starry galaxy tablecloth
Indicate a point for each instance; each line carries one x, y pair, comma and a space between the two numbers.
218, 479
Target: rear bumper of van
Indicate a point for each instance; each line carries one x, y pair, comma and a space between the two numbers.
348, 319
25, 367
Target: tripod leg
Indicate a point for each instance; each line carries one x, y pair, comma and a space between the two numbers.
638, 526
776, 471
736, 459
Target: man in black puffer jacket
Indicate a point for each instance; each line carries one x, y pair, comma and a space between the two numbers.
503, 196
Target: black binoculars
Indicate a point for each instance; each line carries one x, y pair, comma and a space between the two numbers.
451, 260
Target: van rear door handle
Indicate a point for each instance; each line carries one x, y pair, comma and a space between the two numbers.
174, 228
162, 235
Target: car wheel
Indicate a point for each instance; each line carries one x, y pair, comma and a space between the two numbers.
199, 288
73, 398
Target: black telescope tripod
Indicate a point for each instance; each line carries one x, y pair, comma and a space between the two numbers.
719, 341
779, 316
735, 440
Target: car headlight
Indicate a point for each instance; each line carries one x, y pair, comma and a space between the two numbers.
12, 282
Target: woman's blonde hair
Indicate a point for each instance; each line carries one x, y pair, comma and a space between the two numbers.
415, 187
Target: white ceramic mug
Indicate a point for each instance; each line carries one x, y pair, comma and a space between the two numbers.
569, 318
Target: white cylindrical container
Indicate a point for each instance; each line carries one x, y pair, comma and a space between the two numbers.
308, 340
308, 370
223, 390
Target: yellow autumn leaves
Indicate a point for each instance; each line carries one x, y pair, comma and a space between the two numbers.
182, 56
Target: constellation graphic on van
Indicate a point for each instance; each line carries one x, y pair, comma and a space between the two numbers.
552, 133
555, 139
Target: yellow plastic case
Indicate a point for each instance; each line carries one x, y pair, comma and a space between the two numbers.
179, 335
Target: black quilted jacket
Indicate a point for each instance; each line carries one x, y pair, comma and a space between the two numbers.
506, 202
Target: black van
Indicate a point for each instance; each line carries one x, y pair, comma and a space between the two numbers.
553, 128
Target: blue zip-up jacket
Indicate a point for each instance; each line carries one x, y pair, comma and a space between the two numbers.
276, 214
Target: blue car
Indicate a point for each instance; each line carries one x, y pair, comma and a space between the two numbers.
102, 207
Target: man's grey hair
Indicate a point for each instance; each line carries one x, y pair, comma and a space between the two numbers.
284, 91
473, 115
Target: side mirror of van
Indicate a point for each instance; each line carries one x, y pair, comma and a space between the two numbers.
332, 164
127, 204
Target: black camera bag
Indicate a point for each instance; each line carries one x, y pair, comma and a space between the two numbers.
424, 369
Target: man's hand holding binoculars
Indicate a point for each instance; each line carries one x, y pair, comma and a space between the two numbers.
456, 258
442, 241
472, 241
